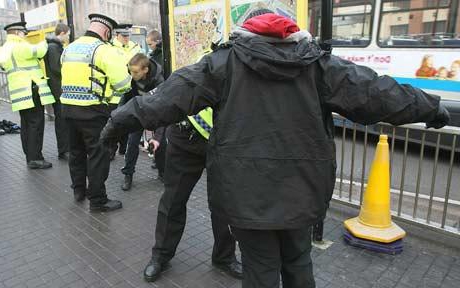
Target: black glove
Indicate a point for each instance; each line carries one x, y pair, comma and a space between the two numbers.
441, 119
110, 134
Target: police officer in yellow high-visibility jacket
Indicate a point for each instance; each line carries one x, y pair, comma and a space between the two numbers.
91, 73
129, 49
28, 89
122, 41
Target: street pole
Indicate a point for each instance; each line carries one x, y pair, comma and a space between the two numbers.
69, 15
166, 40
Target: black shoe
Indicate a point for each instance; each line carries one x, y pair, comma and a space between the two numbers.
110, 205
39, 164
234, 269
153, 270
2, 132
128, 183
64, 156
159, 178
79, 195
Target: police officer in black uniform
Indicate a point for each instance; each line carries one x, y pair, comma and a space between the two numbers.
185, 161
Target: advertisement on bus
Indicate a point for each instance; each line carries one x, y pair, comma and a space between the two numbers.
436, 70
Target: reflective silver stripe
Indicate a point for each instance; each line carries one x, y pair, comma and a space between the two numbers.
34, 51
79, 59
121, 84
15, 64
14, 101
16, 68
19, 90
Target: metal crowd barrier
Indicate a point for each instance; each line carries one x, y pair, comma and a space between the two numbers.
425, 181
4, 94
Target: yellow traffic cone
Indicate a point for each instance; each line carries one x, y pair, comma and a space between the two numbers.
374, 220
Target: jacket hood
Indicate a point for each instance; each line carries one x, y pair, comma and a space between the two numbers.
276, 58
53, 39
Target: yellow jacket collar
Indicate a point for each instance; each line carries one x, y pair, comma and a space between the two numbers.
15, 38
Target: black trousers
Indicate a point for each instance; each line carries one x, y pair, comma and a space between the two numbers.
182, 171
122, 142
61, 129
160, 156
268, 253
32, 129
132, 153
88, 158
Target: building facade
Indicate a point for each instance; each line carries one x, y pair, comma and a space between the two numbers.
138, 12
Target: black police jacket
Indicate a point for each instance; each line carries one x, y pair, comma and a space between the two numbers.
271, 155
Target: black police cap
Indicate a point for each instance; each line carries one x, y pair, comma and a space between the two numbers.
123, 29
16, 26
107, 21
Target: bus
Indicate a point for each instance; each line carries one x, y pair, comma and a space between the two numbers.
415, 41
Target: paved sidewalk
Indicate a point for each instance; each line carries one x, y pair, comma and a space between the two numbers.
48, 240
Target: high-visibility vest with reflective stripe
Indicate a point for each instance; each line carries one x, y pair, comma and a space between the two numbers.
130, 49
202, 122
91, 73
20, 61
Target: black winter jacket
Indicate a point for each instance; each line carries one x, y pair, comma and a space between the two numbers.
53, 65
153, 78
271, 155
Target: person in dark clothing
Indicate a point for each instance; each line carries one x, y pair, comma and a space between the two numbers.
53, 72
147, 75
154, 42
271, 154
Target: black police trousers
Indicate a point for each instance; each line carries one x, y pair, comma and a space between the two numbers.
160, 156
32, 128
88, 158
183, 170
267, 254
60, 128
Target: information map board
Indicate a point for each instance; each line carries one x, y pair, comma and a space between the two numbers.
196, 24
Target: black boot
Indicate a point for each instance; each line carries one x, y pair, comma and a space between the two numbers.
110, 205
127, 183
153, 270
234, 269
39, 164
79, 194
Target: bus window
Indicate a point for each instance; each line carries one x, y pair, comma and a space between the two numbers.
351, 23
422, 23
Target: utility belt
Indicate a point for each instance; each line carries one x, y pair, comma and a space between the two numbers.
186, 127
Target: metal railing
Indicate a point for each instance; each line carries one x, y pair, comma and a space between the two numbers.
425, 181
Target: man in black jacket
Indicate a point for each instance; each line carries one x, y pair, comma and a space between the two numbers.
147, 75
53, 72
154, 41
271, 154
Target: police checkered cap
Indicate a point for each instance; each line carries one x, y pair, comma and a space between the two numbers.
258, 12
107, 21
124, 29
